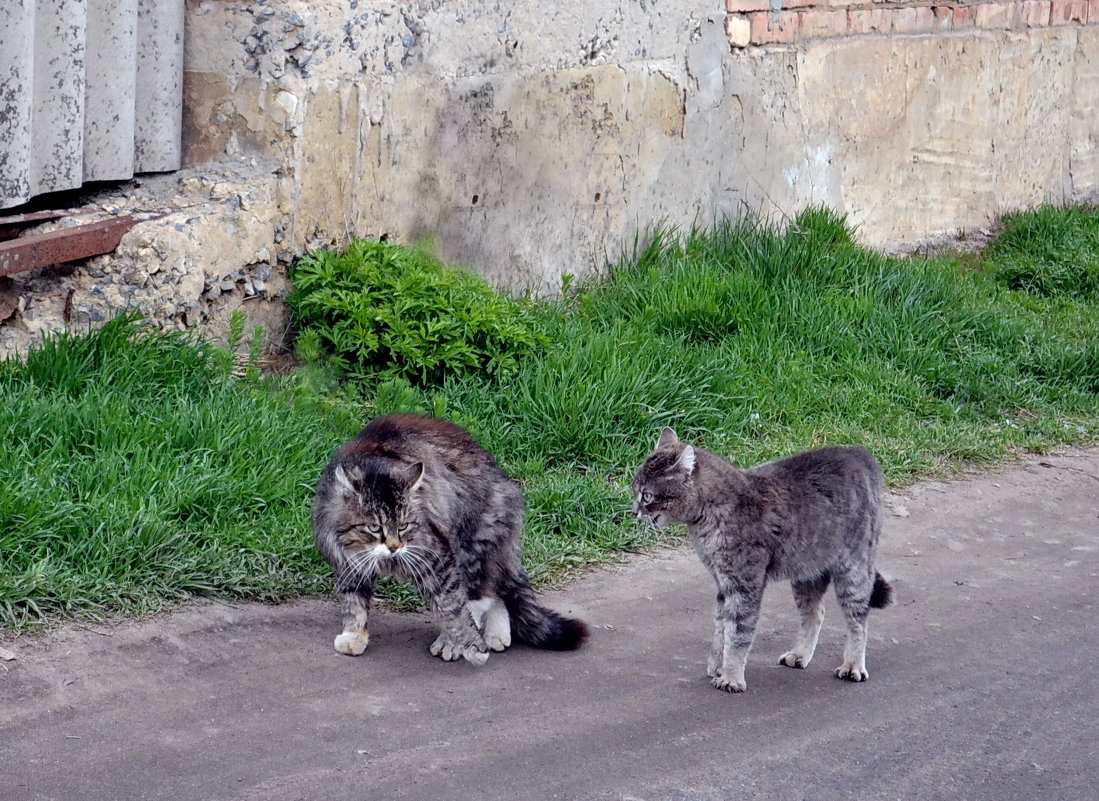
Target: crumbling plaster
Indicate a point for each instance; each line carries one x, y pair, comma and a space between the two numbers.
529, 141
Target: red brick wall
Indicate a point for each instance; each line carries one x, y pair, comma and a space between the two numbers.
751, 23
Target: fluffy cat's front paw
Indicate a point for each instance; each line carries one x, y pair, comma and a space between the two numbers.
449, 652
351, 643
729, 684
794, 660
852, 673
443, 649
475, 657
713, 667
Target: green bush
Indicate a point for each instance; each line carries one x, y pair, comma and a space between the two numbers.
381, 311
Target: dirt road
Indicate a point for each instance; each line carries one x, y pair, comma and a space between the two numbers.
983, 685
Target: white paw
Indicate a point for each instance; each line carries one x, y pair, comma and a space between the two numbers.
729, 684
351, 643
794, 659
852, 673
475, 657
497, 629
496, 643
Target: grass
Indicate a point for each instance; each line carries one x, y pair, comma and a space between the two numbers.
140, 472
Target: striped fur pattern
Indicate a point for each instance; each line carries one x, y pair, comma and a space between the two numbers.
421, 500
813, 518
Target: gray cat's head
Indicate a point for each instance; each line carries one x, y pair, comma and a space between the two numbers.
664, 488
379, 507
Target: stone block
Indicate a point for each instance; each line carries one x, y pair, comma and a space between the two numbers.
1068, 12
943, 18
905, 20
869, 20
993, 16
738, 30
771, 28
964, 17
822, 24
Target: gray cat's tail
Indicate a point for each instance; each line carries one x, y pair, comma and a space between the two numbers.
882, 594
539, 627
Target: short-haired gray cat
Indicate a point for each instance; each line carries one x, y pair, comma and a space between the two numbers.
421, 500
812, 518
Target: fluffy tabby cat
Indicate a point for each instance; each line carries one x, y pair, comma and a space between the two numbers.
812, 518
421, 500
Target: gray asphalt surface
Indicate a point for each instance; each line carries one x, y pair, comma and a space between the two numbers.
982, 684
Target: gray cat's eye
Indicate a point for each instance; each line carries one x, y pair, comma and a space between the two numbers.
646, 497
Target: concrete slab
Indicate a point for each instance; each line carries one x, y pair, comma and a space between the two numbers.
982, 684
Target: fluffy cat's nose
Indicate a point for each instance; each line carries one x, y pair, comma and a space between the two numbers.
393, 546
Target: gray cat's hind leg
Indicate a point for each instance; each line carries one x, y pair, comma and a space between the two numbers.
853, 593
809, 597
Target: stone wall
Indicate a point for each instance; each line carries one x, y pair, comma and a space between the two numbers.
528, 140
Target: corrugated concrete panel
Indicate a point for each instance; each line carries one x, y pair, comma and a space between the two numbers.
90, 90
58, 100
16, 91
111, 90
159, 119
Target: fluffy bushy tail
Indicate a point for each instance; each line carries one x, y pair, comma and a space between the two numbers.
882, 594
537, 626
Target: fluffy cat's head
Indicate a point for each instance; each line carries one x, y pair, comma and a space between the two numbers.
664, 488
379, 507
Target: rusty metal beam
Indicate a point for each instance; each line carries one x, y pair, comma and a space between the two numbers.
13, 224
65, 244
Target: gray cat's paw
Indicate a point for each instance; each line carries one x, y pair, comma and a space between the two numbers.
729, 685
794, 660
852, 673
351, 643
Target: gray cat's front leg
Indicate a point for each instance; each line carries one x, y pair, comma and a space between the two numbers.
717, 644
738, 617
355, 606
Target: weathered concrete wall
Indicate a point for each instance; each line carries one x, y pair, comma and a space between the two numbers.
533, 140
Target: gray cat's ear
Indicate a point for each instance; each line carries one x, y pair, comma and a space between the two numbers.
417, 476
687, 460
342, 479
667, 437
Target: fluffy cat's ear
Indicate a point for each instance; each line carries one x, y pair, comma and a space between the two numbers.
667, 437
342, 479
417, 476
687, 460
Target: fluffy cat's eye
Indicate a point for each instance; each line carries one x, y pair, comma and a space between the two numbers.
646, 497
403, 527
374, 528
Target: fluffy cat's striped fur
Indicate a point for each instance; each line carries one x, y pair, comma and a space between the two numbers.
812, 518
421, 500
